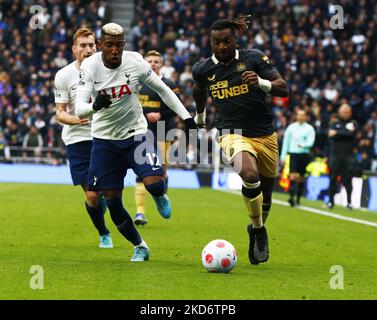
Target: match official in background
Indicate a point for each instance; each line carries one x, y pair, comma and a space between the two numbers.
298, 140
342, 136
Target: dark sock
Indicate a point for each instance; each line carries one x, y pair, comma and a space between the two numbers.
265, 210
156, 189
292, 189
166, 184
300, 189
103, 205
96, 214
123, 221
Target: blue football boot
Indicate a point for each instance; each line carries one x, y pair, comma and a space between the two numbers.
163, 206
141, 254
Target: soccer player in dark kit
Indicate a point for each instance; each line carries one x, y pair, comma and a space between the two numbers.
155, 111
238, 82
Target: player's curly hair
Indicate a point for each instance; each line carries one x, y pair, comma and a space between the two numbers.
239, 24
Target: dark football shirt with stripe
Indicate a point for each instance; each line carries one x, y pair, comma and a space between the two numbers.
152, 102
238, 105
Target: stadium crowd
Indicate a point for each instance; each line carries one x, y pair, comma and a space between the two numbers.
324, 67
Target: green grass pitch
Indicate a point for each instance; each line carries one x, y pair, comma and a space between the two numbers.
47, 225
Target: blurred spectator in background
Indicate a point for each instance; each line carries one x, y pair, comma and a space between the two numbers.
4, 151
342, 134
28, 61
324, 68
33, 139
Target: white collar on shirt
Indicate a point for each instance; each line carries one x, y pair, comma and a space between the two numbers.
215, 61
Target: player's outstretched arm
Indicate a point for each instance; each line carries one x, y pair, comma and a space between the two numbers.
168, 96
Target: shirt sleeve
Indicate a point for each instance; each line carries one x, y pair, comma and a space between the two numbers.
262, 65
60, 89
198, 75
167, 95
143, 67
85, 90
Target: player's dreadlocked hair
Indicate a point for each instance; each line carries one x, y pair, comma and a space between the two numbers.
238, 24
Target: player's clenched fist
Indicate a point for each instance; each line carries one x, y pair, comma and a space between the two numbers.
249, 77
102, 101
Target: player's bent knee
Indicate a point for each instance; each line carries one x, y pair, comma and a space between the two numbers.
152, 179
156, 189
112, 194
92, 198
251, 190
250, 176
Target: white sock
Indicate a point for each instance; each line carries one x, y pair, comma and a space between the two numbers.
142, 244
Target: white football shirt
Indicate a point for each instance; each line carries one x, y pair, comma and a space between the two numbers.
124, 118
66, 81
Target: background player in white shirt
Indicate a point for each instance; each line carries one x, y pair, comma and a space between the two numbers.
119, 128
76, 131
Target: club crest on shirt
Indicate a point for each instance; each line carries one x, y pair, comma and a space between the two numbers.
212, 78
241, 67
128, 77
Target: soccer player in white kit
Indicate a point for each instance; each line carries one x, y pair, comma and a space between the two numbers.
119, 128
76, 132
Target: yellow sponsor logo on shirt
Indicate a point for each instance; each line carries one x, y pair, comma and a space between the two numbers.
221, 90
146, 103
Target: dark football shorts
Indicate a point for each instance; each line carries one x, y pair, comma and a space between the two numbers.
78, 155
111, 159
298, 163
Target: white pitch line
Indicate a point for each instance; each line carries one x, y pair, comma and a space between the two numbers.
318, 211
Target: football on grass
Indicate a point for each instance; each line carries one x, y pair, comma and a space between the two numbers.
219, 256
